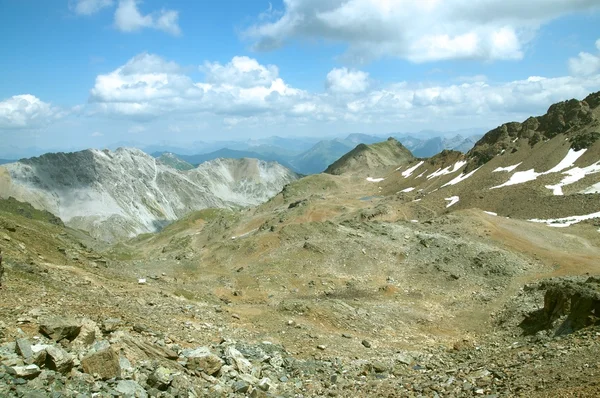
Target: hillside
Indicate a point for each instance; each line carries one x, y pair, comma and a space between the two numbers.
126, 192
174, 161
544, 169
371, 159
409, 285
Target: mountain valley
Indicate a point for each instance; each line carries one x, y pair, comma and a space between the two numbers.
391, 274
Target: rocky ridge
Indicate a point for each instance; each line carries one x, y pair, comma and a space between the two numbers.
126, 192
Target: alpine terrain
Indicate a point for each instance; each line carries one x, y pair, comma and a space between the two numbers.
458, 275
127, 192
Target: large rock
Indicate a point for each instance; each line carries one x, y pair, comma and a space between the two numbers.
104, 363
39, 354
58, 328
201, 359
238, 360
130, 389
161, 378
58, 360
25, 372
23, 348
88, 333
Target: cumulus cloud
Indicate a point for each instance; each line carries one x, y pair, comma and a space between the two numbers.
346, 81
417, 30
244, 92
128, 18
89, 7
585, 64
27, 111
148, 86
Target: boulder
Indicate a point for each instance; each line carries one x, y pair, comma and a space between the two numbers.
201, 359
130, 389
236, 358
104, 363
88, 333
25, 372
58, 360
58, 328
161, 378
23, 348
39, 354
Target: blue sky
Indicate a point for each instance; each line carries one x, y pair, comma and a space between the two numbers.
88, 73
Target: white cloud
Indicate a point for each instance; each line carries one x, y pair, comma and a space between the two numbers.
97, 134
27, 111
241, 71
245, 93
585, 64
346, 81
417, 30
128, 18
148, 86
89, 7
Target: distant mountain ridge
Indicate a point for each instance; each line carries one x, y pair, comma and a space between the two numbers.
545, 170
323, 153
127, 192
373, 158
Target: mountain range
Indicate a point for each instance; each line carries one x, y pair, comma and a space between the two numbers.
323, 153
462, 274
124, 193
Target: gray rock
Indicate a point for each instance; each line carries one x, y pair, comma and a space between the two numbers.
240, 387
87, 334
366, 343
105, 363
58, 328
130, 389
58, 360
202, 359
161, 378
265, 384
25, 372
39, 354
241, 363
23, 348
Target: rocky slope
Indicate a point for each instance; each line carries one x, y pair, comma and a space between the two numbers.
126, 192
371, 159
546, 169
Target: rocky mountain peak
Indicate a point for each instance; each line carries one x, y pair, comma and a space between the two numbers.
578, 120
366, 159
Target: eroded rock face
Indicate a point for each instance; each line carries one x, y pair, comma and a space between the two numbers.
121, 194
569, 305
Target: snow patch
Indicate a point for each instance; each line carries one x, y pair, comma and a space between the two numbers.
448, 170
491, 213
408, 189
568, 161
371, 179
566, 221
453, 200
573, 175
593, 189
414, 221
508, 169
408, 172
422, 174
460, 178
417, 200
